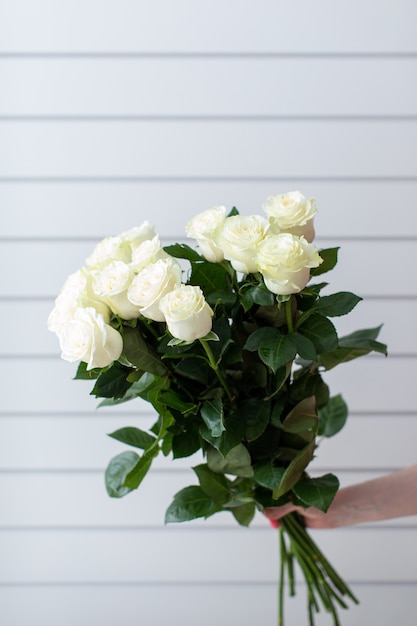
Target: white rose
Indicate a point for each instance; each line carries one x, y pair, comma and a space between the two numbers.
63, 312
107, 250
120, 247
151, 284
187, 314
239, 239
292, 212
137, 235
205, 228
285, 261
147, 252
76, 292
88, 338
111, 284
112, 279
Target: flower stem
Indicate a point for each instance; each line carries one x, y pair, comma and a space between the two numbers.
284, 556
214, 366
324, 585
288, 315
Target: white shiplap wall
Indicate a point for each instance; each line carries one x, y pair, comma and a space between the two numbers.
112, 113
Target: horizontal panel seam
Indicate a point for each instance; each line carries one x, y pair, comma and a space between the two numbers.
51, 298
181, 470
219, 54
120, 180
128, 118
68, 239
144, 414
178, 529
192, 583
110, 180
203, 179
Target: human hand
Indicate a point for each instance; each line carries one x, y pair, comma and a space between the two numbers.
313, 518
387, 497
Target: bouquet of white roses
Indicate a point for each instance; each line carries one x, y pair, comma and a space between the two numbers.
231, 354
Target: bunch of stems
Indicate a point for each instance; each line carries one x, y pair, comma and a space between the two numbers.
325, 588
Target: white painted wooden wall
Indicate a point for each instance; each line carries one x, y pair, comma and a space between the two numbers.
116, 112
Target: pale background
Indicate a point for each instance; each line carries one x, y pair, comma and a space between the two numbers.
116, 112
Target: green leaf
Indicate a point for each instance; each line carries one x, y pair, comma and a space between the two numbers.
222, 296
233, 211
182, 251
133, 437
295, 470
138, 352
337, 304
173, 399
329, 360
364, 339
194, 368
265, 333
188, 504
165, 419
209, 276
112, 383
236, 462
136, 390
277, 409
256, 294
353, 346
84, 374
244, 513
329, 256
255, 413
310, 384
230, 438
277, 353
213, 484
267, 475
212, 415
138, 473
320, 331
302, 419
166, 444
186, 443
116, 472
317, 492
304, 346
333, 416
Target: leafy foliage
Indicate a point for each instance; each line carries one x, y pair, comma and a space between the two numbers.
250, 396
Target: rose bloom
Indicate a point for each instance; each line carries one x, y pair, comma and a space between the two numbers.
120, 247
151, 284
107, 250
292, 212
285, 260
76, 292
205, 228
147, 252
187, 314
239, 239
111, 284
88, 338
138, 234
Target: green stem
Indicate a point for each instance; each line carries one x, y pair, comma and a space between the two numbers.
288, 315
303, 538
214, 366
283, 554
291, 576
320, 577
